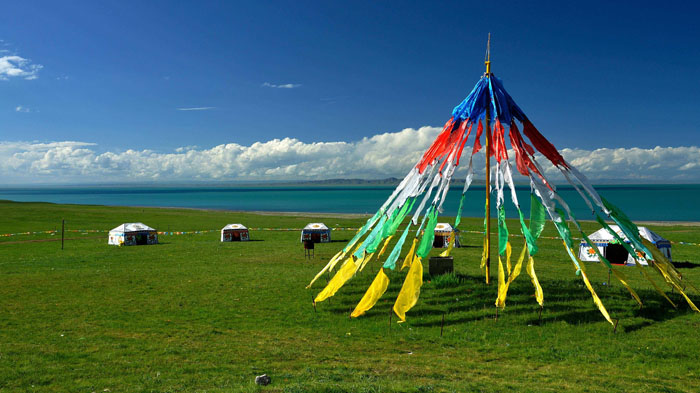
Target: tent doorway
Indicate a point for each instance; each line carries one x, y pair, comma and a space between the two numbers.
141, 239
616, 253
316, 237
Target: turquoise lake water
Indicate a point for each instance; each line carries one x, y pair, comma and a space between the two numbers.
640, 202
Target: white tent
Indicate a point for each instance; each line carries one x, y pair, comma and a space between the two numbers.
443, 233
316, 232
132, 234
616, 253
234, 232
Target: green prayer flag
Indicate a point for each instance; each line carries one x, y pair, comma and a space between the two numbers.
529, 239
364, 229
502, 231
459, 211
537, 217
426, 243
615, 235
564, 229
391, 261
370, 238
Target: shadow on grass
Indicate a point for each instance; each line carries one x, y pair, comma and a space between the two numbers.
472, 300
685, 265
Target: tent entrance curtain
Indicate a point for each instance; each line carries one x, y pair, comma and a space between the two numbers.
616, 253
441, 241
316, 237
141, 239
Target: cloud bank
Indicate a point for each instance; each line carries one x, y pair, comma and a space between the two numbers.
18, 67
381, 156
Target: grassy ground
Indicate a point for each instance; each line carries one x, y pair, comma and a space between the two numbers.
194, 314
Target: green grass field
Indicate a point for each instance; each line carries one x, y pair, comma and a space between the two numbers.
194, 314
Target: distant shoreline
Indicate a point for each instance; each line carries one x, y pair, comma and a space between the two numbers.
335, 215
363, 215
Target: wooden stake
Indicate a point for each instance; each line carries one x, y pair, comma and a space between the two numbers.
443, 324
313, 301
616, 322
63, 231
540, 315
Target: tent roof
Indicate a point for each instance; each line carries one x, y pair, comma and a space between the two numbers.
234, 226
316, 226
443, 227
132, 227
602, 235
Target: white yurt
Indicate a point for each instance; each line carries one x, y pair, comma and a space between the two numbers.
235, 233
316, 232
133, 234
616, 253
443, 234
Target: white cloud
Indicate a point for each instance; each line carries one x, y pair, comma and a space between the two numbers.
197, 108
381, 156
281, 86
22, 109
14, 66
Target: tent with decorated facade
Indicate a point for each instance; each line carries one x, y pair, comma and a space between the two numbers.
608, 246
316, 232
133, 234
491, 117
235, 233
443, 235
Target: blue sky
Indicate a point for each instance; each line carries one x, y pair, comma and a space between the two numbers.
115, 76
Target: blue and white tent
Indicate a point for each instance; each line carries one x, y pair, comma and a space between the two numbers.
133, 234
616, 253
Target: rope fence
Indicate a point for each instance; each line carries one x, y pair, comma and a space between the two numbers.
175, 233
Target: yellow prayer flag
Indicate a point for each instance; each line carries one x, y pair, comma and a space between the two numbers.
539, 295
656, 287
501, 282
386, 243
341, 276
484, 252
409, 257
502, 293
374, 292
668, 271
596, 299
623, 280
509, 250
408, 297
365, 260
446, 253
329, 266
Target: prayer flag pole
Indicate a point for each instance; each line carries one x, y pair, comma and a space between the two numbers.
488, 166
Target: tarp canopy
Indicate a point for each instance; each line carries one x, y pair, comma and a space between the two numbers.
234, 226
443, 229
132, 227
316, 226
607, 245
